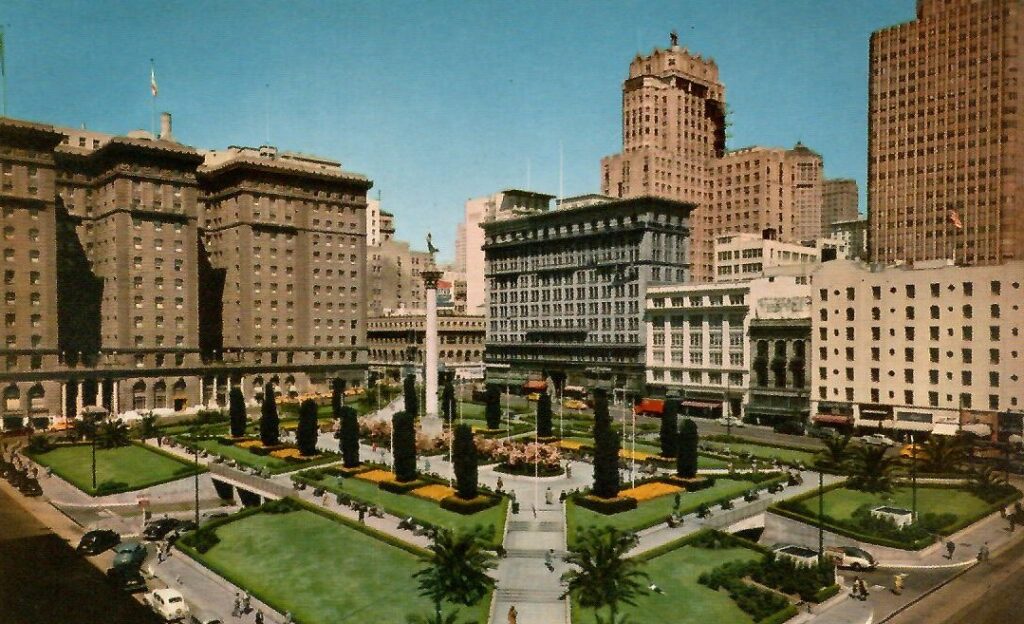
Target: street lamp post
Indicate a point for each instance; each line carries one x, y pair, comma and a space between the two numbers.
913, 479
821, 515
508, 414
94, 461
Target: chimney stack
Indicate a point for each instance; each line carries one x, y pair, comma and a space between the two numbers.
165, 127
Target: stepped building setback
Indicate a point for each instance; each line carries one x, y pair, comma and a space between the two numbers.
142, 274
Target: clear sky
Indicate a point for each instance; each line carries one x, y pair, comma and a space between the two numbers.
440, 101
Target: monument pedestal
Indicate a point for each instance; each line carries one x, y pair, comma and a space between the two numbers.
431, 424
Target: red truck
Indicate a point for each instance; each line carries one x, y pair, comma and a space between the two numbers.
649, 407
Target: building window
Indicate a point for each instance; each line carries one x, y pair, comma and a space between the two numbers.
876, 333
993, 379
935, 290
933, 399
874, 395
849, 294
910, 313
908, 375
965, 378
933, 377
909, 332
876, 293
875, 354
994, 310
995, 288
993, 332
911, 291
967, 332
993, 356
934, 312
965, 400
908, 397
967, 355
908, 354
933, 354
968, 289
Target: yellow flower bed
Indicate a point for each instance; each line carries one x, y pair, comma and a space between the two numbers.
249, 444
377, 476
434, 492
571, 445
628, 454
286, 453
649, 491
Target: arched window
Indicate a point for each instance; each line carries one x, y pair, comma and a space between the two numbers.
12, 399
139, 395
37, 398
159, 394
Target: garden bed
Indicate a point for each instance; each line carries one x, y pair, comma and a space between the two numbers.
259, 457
121, 469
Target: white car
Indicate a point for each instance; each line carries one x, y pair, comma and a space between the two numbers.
851, 557
169, 604
878, 439
731, 421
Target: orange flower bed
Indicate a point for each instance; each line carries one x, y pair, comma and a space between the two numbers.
434, 492
628, 454
571, 445
249, 444
288, 452
650, 491
376, 476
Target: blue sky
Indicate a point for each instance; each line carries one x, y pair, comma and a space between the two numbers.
441, 101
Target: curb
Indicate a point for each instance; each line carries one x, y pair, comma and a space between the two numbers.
925, 594
936, 566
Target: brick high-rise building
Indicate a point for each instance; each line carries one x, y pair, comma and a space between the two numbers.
839, 202
142, 274
945, 121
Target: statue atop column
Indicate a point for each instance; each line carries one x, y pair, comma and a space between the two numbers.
431, 250
674, 38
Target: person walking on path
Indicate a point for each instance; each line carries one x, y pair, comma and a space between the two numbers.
246, 599
983, 553
549, 560
501, 484
513, 615
950, 549
897, 583
236, 610
259, 617
1013, 522
549, 496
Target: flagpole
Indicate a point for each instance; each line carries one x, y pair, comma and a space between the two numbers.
3, 67
152, 99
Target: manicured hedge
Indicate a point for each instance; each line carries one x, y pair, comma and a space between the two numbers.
606, 506
471, 506
825, 593
397, 487
780, 616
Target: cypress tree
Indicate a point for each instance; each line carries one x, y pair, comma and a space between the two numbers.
337, 397
349, 437
305, 436
448, 402
670, 428
544, 415
236, 408
686, 463
404, 429
464, 461
269, 422
492, 409
412, 401
606, 449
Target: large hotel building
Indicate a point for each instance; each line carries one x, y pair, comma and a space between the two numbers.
143, 274
945, 121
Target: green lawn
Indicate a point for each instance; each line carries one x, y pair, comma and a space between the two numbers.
762, 451
685, 601
321, 570
121, 469
405, 505
840, 503
252, 460
651, 512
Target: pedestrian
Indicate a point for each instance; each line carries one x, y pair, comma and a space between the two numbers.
855, 588
950, 549
259, 617
863, 589
1002, 512
236, 610
501, 484
983, 553
549, 496
549, 560
362, 515
246, 600
568, 470
1013, 523
897, 583
513, 615
677, 501
533, 508
159, 554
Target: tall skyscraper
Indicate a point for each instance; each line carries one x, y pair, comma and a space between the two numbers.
944, 150
839, 202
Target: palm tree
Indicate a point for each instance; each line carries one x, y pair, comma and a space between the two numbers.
602, 576
457, 573
85, 428
147, 426
836, 450
112, 434
943, 453
987, 482
870, 469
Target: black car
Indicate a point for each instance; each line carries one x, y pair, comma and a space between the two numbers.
30, 487
95, 542
158, 529
184, 526
127, 579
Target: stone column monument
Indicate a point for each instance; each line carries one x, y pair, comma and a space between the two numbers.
430, 424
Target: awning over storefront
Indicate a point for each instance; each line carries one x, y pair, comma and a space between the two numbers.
832, 419
701, 404
876, 412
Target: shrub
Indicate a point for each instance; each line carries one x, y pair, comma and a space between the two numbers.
400, 487
465, 462
412, 401
669, 434
337, 396
40, 443
236, 410
606, 506
306, 434
282, 505
202, 540
789, 578
825, 593
404, 446
269, 422
544, 415
606, 449
469, 506
757, 603
349, 437
492, 407
686, 465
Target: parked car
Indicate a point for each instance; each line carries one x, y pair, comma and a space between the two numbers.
204, 618
878, 439
97, 541
851, 557
30, 487
158, 529
183, 527
731, 421
913, 451
533, 396
649, 407
129, 554
169, 604
800, 555
128, 580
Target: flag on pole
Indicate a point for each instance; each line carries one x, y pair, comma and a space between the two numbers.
3, 63
152, 78
954, 218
